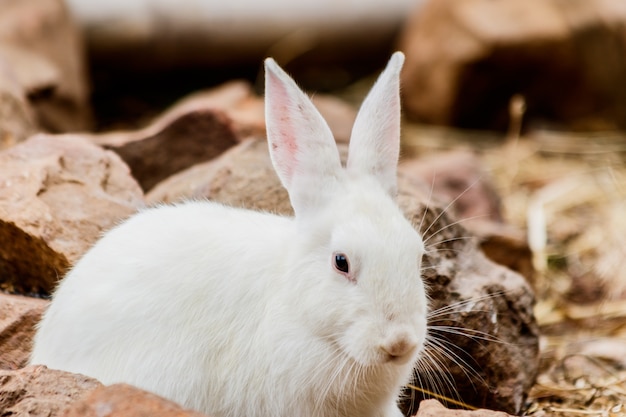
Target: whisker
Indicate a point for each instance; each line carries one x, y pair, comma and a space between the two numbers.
442, 397
454, 223
430, 196
443, 348
450, 204
470, 333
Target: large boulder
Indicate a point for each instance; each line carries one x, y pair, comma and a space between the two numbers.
466, 60
58, 194
41, 48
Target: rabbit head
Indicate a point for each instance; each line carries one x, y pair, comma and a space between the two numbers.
365, 293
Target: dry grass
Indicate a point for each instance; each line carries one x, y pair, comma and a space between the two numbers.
568, 192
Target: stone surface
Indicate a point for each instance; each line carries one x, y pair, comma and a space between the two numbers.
433, 408
466, 60
37, 391
17, 121
484, 346
222, 179
121, 400
58, 194
458, 180
194, 130
18, 316
41, 46
461, 185
490, 304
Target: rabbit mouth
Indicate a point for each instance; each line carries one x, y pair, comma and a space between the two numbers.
401, 359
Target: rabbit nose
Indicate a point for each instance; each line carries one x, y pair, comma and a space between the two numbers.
399, 346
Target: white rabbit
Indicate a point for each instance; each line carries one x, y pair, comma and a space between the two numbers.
237, 313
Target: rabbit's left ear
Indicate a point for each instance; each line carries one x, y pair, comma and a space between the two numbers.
375, 139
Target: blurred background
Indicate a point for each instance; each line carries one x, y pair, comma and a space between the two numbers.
468, 61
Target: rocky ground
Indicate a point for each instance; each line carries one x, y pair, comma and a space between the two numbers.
522, 223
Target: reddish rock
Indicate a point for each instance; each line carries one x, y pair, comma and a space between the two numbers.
222, 179
17, 121
18, 316
465, 61
338, 114
37, 391
486, 349
121, 400
58, 194
203, 125
194, 130
41, 46
458, 181
461, 185
485, 300
433, 408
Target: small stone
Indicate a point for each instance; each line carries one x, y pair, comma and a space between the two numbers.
433, 408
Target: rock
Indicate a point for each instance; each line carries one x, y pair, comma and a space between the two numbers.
121, 400
194, 130
484, 339
433, 408
467, 60
490, 306
37, 391
338, 114
18, 316
58, 194
461, 185
17, 121
42, 48
459, 181
256, 187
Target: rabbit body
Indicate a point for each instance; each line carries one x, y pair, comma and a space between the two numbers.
239, 313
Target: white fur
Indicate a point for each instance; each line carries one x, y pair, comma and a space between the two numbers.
239, 313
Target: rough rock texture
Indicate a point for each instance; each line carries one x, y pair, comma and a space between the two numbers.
121, 400
17, 121
467, 59
223, 180
460, 183
37, 391
433, 408
57, 196
484, 346
42, 49
203, 125
196, 129
481, 296
18, 316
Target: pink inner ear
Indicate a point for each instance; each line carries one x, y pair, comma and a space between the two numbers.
282, 126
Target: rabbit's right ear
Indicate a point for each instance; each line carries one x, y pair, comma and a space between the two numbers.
301, 144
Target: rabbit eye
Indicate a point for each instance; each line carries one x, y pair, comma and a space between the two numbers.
341, 263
